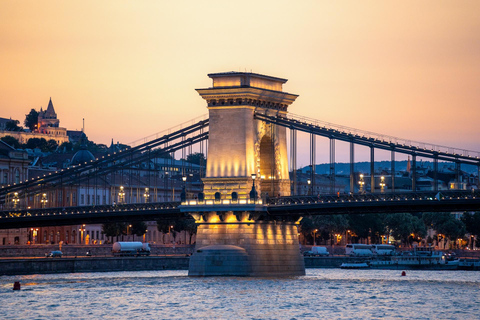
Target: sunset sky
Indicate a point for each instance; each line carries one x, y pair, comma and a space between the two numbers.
404, 68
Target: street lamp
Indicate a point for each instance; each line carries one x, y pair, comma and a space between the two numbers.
146, 195
169, 233
361, 183
309, 182
382, 184
82, 229
15, 200
183, 195
129, 230
253, 192
314, 236
44, 200
121, 195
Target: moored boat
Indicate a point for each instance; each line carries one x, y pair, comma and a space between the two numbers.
420, 258
354, 265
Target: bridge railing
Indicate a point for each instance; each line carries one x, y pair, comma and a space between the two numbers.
58, 211
368, 197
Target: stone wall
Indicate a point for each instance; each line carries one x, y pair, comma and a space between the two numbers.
70, 265
81, 250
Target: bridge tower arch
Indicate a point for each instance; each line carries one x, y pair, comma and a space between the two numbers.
238, 144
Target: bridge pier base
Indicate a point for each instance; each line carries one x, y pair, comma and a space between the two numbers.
246, 248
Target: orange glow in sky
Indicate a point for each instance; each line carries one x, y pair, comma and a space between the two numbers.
409, 68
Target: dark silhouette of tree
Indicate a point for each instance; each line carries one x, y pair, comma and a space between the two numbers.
12, 125
11, 141
138, 228
403, 225
114, 229
367, 225
472, 223
197, 158
51, 146
31, 120
40, 143
445, 223
67, 146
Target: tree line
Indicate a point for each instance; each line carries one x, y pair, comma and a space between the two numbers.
406, 228
114, 230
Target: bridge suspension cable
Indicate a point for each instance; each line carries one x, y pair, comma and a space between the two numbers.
371, 139
110, 162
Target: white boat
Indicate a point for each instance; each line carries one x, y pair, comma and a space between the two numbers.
354, 265
419, 258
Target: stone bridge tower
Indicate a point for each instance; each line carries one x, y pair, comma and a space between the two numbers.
237, 236
239, 145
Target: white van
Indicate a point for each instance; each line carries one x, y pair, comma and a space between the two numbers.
359, 250
317, 251
383, 249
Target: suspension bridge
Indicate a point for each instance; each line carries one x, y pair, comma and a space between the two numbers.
245, 136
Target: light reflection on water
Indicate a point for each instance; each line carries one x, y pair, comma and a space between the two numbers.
322, 293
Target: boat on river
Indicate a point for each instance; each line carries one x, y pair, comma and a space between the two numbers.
469, 264
354, 265
420, 258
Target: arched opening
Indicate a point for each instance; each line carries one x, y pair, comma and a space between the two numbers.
267, 165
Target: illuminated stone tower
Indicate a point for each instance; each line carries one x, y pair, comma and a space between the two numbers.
239, 145
237, 237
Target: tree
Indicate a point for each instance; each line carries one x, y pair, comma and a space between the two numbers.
31, 120
472, 223
403, 225
445, 223
12, 125
138, 228
66, 146
113, 229
167, 226
197, 158
367, 225
51, 145
11, 141
187, 225
40, 143
453, 229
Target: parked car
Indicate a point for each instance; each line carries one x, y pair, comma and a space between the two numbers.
54, 254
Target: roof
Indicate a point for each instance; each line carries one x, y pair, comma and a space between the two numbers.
50, 109
256, 75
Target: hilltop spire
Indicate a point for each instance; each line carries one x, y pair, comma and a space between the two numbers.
50, 112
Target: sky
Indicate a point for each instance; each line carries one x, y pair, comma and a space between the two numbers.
409, 69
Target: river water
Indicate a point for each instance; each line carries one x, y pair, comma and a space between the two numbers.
321, 294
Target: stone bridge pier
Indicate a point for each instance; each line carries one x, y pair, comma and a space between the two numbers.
247, 160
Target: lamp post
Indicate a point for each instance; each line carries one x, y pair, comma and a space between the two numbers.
183, 195
15, 200
253, 192
44, 200
82, 229
34, 235
169, 233
382, 184
121, 195
129, 230
314, 236
146, 195
361, 183
309, 182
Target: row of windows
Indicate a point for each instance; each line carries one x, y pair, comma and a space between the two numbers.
16, 176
